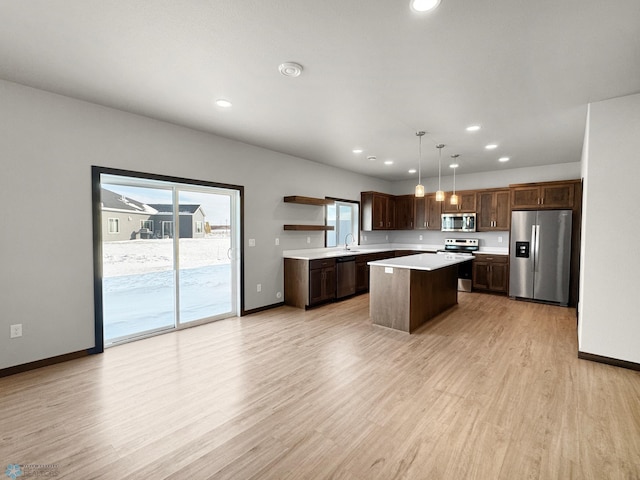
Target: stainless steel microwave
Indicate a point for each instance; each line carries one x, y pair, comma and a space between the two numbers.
458, 222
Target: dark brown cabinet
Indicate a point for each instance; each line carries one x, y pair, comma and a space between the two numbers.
362, 269
543, 195
466, 202
491, 273
494, 213
322, 281
377, 211
309, 282
427, 213
404, 212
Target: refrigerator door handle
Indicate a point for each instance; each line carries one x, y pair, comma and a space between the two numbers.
536, 248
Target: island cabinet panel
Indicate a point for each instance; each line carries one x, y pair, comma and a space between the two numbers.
544, 195
404, 299
377, 211
404, 212
494, 210
427, 213
491, 273
466, 202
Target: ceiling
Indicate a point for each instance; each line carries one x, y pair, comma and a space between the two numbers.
374, 72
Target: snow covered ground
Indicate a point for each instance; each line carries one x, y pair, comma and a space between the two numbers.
143, 256
138, 283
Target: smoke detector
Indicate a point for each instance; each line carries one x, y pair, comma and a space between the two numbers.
290, 69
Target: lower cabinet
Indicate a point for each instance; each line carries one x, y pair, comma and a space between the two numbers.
322, 281
491, 273
362, 269
309, 282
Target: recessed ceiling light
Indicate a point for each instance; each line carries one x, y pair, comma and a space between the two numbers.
454, 165
413, 170
290, 69
424, 5
473, 128
371, 158
221, 102
357, 150
504, 159
388, 162
491, 146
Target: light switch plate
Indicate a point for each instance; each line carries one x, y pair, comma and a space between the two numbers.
252, 242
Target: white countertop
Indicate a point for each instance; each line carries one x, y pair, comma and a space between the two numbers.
317, 253
423, 261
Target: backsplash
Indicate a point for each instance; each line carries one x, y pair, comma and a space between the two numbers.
429, 237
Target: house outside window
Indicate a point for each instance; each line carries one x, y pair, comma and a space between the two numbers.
148, 224
114, 225
199, 227
343, 216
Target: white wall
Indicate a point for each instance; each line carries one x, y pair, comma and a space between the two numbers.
495, 179
609, 321
47, 146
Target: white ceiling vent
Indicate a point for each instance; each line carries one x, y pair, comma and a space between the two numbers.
290, 69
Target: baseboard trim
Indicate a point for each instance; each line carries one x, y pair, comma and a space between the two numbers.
5, 372
261, 309
609, 361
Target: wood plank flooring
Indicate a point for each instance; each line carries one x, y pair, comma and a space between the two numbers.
491, 389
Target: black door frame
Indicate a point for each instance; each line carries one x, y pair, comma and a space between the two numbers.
96, 172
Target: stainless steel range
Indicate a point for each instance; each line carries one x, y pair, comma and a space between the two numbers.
462, 246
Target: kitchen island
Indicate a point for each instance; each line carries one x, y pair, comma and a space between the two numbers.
405, 292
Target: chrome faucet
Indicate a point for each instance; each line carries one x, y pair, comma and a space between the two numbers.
346, 245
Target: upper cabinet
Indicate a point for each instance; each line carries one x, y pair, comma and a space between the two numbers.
427, 213
405, 212
466, 202
377, 211
543, 195
493, 210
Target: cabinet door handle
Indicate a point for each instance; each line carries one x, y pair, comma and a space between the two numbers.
426, 224
542, 201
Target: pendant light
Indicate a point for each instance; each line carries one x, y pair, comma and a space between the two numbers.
454, 197
439, 193
420, 187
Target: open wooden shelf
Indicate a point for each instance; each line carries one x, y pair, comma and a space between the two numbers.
309, 227
308, 200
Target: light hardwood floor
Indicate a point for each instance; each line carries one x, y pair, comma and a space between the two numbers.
491, 389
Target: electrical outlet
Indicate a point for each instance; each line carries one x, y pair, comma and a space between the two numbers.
420, 237
16, 330
259, 287
252, 242
386, 237
365, 238
499, 239
277, 241
308, 239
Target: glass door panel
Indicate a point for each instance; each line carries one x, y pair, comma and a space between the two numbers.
205, 255
138, 283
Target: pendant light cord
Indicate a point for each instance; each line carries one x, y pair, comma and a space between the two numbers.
419, 159
439, 168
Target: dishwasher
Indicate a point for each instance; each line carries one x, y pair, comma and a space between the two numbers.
345, 276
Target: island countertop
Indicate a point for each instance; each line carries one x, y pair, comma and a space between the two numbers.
423, 261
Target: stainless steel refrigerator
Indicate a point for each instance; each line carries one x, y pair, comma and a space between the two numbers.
540, 255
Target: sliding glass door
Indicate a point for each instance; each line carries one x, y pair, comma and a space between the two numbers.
205, 251
168, 255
